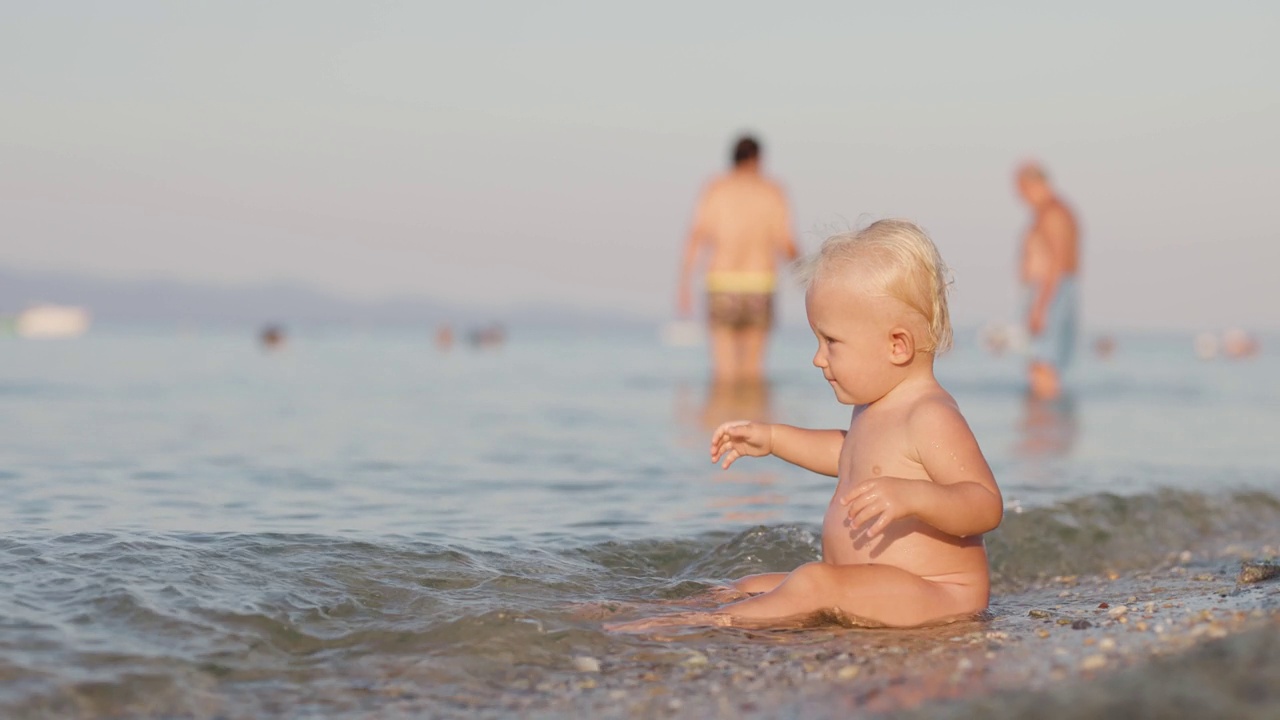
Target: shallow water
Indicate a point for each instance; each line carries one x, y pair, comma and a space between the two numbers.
196, 527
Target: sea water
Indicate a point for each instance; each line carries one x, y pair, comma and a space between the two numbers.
193, 526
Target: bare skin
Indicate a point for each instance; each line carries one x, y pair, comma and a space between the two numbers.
1050, 252
902, 536
743, 224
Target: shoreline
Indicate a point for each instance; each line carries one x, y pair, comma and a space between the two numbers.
1063, 632
1199, 631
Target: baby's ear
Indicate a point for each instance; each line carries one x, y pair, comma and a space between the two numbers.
902, 346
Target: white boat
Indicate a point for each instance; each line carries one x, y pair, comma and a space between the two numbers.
51, 321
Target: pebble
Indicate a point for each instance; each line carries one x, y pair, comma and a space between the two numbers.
1215, 631
586, 664
1081, 625
1117, 611
695, 659
1039, 613
848, 672
1255, 572
1107, 644
1093, 662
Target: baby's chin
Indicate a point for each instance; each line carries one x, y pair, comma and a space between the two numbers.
842, 397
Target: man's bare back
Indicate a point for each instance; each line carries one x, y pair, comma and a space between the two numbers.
743, 221
742, 225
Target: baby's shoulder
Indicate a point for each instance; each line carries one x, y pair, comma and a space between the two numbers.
932, 410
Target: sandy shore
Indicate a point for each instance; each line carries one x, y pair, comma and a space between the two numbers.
1119, 641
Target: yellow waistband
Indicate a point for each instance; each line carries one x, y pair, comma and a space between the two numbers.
741, 282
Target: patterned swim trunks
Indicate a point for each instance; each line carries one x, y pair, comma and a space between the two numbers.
740, 310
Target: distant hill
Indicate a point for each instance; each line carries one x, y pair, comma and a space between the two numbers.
171, 302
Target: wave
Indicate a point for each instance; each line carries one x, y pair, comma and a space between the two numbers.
1092, 534
1106, 532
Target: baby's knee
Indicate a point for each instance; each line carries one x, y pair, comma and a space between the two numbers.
757, 583
810, 577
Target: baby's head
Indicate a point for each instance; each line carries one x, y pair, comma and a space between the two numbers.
879, 293
894, 259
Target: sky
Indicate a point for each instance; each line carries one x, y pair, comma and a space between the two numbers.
503, 153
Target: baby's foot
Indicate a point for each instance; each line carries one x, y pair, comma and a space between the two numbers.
600, 610
675, 620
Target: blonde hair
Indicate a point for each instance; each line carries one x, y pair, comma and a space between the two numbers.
901, 262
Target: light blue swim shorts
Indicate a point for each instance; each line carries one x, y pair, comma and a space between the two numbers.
1057, 341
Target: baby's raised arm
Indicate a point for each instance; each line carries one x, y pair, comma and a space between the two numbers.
814, 450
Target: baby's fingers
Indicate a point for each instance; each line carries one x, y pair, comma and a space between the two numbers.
721, 448
879, 525
722, 433
857, 492
729, 458
862, 512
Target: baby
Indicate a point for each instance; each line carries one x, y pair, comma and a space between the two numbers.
902, 537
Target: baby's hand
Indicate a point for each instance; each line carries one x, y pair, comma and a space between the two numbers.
734, 439
888, 497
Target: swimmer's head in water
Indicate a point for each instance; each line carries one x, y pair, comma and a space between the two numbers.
745, 150
890, 258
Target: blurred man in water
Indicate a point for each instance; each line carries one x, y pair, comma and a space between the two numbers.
743, 221
1050, 261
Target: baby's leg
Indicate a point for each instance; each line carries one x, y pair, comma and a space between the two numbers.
880, 593
762, 583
